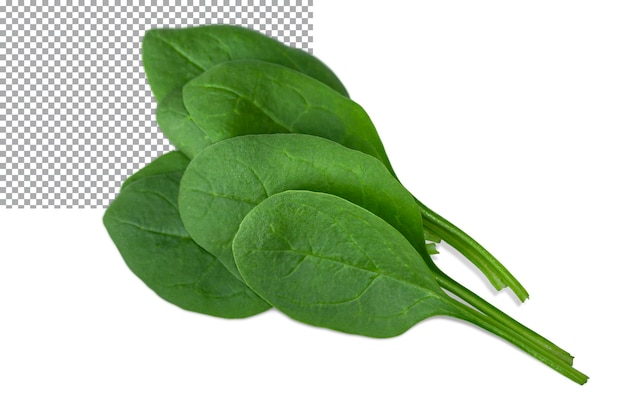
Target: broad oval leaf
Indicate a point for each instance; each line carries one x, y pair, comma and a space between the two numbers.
226, 180
325, 261
145, 225
173, 56
250, 97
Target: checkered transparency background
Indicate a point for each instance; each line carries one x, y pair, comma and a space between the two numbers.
76, 113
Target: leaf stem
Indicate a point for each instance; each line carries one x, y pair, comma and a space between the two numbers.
489, 310
478, 303
497, 274
548, 357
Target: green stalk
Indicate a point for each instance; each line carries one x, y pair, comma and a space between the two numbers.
497, 274
466, 313
489, 310
478, 303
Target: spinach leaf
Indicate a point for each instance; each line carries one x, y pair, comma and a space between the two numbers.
327, 262
250, 97
226, 180
330, 263
145, 225
171, 57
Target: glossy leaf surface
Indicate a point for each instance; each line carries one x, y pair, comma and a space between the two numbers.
226, 180
249, 97
328, 262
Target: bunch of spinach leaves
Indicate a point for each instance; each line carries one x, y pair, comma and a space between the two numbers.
280, 194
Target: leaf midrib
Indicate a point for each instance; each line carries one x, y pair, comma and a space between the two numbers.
179, 51
145, 229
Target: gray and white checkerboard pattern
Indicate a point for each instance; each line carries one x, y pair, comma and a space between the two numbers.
76, 112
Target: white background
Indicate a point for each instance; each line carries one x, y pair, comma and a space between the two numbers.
505, 117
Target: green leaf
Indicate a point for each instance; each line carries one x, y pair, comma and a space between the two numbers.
226, 180
250, 97
171, 57
145, 225
327, 262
